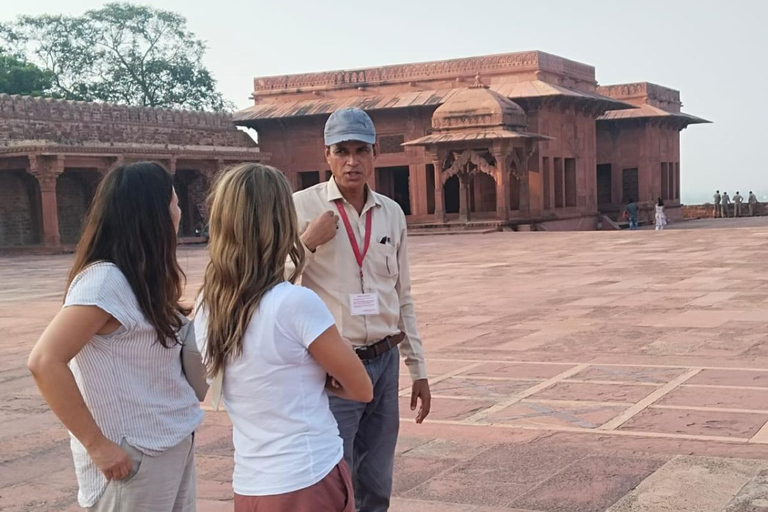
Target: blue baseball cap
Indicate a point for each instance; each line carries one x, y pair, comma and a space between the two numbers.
349, 124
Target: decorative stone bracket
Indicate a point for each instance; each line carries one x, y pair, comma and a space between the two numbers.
461, 163
47, 170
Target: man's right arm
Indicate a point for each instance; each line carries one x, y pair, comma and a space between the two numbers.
320, 231
314, 233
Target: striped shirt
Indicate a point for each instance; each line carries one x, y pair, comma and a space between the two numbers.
133, 386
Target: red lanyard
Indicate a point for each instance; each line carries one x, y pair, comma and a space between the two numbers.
351, 234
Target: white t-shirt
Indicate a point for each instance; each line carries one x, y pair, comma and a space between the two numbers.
284, 433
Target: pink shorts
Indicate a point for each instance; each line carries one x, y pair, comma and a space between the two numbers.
331, 494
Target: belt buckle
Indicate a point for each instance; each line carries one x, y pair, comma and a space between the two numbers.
362, 352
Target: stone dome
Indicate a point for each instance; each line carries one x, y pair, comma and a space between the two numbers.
478, 107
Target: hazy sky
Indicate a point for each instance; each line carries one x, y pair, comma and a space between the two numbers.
714, 52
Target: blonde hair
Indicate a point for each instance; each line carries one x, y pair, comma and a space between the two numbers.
253, 231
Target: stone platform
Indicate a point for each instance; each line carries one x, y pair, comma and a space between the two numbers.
572, 372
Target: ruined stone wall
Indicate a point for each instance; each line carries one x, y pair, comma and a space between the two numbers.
77, 122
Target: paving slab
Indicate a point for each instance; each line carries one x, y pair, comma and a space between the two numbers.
518, 370
723, 398
753, 497
635, 374
480, 387
687, 422
592, 392
532, 413
731, 378
690, 484
591, 484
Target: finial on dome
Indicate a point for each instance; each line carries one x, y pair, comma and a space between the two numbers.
478, 83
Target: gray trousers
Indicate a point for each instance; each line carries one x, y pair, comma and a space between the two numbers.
369, 432
164, 483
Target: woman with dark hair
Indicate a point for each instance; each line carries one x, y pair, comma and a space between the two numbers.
661, 217
109, 364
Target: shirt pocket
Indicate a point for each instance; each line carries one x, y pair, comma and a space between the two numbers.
384, 260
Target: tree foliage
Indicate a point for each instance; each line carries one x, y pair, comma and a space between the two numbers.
121, 53
20, 77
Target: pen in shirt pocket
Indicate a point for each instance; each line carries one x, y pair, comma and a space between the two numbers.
386, 241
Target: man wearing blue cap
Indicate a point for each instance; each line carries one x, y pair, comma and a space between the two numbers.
359, 267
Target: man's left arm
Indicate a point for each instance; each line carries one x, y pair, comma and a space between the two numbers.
411, 346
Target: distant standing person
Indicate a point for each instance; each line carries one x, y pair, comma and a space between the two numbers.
661, 217
718, 207
632, 211
725, 202
752, 203
737, 201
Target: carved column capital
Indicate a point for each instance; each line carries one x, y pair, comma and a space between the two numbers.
46, 169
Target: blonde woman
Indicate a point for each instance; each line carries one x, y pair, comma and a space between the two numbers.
278, 349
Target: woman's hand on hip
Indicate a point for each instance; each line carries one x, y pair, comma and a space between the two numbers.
111, 460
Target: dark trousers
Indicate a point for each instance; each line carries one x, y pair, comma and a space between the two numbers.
370, 433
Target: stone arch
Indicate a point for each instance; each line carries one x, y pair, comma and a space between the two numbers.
19, 209
451, 194
74, 192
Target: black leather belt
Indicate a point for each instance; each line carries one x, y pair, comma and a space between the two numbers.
374, 350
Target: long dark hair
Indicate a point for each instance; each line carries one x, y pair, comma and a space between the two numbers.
129, 224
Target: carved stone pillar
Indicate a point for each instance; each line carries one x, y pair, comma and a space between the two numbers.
525, 194
47, 171
463, 197
502, 185
522, 155
437, 163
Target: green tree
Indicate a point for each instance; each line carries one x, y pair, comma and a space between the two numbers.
121, 53
20, 77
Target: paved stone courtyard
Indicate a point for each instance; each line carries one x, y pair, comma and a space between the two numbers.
571, 372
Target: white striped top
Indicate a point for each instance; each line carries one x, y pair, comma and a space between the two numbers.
133, 386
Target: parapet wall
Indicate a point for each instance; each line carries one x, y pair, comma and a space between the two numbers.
80, 122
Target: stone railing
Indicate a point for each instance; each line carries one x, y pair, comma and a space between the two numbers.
707, 211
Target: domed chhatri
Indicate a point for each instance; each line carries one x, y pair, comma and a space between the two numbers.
478, 107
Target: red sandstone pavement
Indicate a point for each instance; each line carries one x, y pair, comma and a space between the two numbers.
572, 372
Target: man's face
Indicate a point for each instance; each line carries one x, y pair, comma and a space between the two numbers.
351, 163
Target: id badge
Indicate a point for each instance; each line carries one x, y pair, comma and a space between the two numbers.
361, 304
